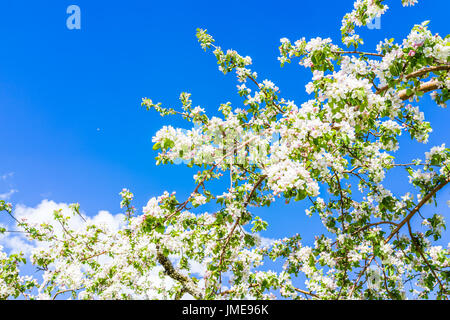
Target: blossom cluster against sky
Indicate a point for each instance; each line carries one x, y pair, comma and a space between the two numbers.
72, 126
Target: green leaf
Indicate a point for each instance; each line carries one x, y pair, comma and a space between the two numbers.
160, 229
156, 146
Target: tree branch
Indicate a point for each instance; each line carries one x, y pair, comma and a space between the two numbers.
416, 74
359, 52
424, 87
188, 285
417, 208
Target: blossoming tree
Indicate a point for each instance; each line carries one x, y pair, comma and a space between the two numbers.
333, 151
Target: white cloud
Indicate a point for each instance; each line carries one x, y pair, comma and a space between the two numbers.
103, 217
197, 268
7, 195
265, 242
7, 175
43, 213
17, 244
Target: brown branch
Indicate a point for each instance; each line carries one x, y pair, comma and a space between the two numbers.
306, 292
424, 87
259, 87
65, 291
360, 275
385, 281
93, 256
247, 201
416, 74
372, 225
359, 52
186, 282
400, 225
258, 183
417, 208
424, 71
417, 246
184, 204
253, 285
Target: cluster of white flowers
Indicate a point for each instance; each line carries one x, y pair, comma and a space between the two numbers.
363, 13
409, 2
153, 209
198, 199
439, 150
419, 175
287, 174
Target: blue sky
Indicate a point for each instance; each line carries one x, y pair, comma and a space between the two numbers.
72, 129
